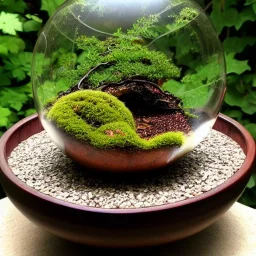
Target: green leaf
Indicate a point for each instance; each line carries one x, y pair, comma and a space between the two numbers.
30, 112
222, 18
13, 98
194, 89
174, 87
230, 17
19, 65
251, 183
249, 79
195, 98
251, 97
35, 18
12, 44
209, 71
49, 90
228, 3
10, 23
17, 105
13, 61
31, 25
237, 44
4, 114
248, 197
51, 6
236, 66
3, 121
40, 63
249, 2
234, 113
184, 45
19, 74
248, 107
13, 6
254, 80
245, 121
252, 129
25, 58
13, 118
246, 15
234, 98
4, 78
3, 50
191, 96
27, 89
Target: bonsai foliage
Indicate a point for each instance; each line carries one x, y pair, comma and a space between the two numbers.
118, 58
103, 121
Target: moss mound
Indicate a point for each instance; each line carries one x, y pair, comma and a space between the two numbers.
104, 121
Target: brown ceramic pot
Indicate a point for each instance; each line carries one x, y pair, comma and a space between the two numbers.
124, 227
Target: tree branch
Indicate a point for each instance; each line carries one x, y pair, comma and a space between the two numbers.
89, 72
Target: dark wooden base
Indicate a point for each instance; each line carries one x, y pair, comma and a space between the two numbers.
124, 227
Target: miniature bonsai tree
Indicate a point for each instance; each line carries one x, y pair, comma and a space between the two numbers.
117, 59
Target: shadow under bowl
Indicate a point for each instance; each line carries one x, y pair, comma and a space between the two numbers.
124, 227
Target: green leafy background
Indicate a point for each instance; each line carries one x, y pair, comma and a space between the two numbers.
234, 20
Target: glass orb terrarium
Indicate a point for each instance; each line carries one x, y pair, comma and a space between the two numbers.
128, 85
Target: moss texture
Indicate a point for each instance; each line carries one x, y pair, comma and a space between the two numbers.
104, 121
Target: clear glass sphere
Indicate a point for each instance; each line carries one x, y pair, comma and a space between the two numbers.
128, 85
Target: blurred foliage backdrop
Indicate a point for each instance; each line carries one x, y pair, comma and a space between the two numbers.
234, 20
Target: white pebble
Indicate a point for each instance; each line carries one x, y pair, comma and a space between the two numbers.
41, 165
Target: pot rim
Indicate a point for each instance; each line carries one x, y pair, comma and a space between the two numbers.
244, 170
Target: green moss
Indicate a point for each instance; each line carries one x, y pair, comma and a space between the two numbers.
103, 121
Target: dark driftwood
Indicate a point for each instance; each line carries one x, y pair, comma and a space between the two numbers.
124, 227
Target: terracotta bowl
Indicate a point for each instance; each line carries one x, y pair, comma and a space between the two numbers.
124, 227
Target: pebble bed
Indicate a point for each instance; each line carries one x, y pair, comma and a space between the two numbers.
42, 166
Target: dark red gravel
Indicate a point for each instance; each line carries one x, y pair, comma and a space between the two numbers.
150, 126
